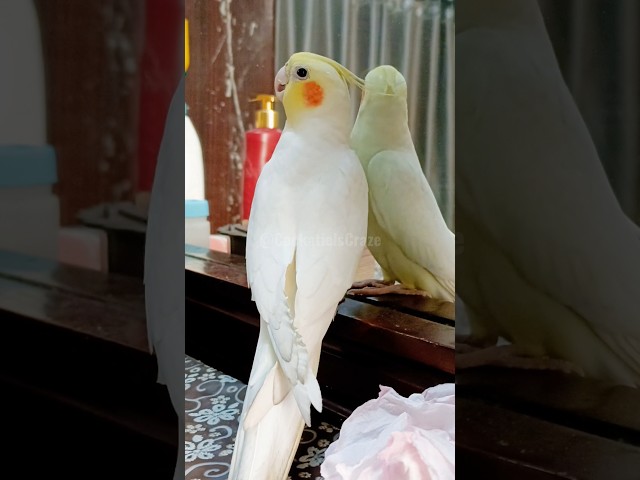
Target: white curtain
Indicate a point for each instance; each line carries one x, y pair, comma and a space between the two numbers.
415, 36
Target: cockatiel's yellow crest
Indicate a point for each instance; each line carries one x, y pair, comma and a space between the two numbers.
301, 85
312, 189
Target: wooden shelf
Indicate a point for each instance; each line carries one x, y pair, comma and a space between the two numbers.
74, 343
367, 345
545, 425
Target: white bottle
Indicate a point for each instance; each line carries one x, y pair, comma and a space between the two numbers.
29, 211
196, 208
193, 161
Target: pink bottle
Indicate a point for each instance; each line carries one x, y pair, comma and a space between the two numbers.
260, 143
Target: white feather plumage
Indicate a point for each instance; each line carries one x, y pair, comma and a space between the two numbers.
306, 234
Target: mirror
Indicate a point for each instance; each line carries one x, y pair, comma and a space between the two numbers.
416, 37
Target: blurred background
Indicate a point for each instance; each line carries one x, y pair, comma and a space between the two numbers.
598, 47
535, 423
84, 92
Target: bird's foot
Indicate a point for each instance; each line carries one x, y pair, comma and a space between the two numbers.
509, 356
374, 288
372, 282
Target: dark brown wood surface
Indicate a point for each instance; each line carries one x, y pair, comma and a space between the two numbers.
427, 308
74, 345
581, 403
105, 307
545, 424
219, 266
510, 444
510, 423
366, 345
232, 60
404, 332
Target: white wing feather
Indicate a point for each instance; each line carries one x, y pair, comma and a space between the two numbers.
296, 270
429, 243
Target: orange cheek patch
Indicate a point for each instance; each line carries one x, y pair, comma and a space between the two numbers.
313, 94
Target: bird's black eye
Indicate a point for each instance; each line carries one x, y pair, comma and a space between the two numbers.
302, 73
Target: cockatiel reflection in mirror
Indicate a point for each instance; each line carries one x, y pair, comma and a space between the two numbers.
408, 235
306, 233
551, 263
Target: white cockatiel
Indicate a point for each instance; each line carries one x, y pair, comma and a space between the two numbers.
550, 262
408, 235
306, 234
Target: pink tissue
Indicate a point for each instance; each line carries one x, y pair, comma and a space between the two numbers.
393, 437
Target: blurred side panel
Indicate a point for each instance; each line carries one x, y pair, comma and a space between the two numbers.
547, 228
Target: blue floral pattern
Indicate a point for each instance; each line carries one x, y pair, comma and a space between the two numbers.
217, 412
213, 403
200, 448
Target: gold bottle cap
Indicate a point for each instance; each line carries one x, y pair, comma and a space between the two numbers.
266, 116
187, 58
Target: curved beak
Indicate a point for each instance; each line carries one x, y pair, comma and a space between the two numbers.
280, 83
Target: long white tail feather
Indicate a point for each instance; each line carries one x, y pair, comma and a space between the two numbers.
260, 405
266, 450
281, 386
263, 361
313, 390
303, 402
270, 431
